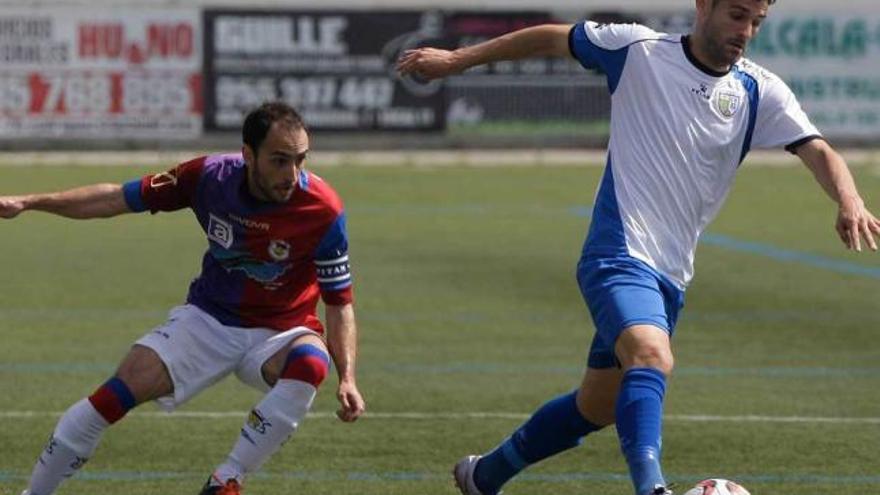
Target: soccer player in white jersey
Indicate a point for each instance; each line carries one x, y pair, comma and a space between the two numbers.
685, 110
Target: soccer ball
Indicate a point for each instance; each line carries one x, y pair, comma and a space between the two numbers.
717, 486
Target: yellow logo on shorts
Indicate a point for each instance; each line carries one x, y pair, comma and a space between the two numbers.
257, 422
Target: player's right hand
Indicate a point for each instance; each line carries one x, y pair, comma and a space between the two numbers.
352, 402
11, 206
855, 223
428, 63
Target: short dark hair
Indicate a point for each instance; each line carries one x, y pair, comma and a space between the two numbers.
259, 121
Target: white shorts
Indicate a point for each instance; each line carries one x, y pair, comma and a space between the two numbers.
199, 351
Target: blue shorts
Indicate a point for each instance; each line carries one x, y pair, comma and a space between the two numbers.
622, 292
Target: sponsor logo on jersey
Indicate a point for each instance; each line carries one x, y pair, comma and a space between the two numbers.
702, 92
251, 224
279, 250
220, 231
266, 273
330, 272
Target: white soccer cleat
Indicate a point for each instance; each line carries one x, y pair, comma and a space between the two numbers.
463, 473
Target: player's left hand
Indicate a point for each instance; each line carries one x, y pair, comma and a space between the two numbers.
352, 402
855, 223
429, 63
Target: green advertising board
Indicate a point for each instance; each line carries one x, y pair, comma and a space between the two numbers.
832, 63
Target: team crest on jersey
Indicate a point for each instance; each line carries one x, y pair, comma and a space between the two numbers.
727, 102
220, 231
279, 250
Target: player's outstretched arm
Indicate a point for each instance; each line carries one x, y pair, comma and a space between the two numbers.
546, 40
95, 201
342, 343
854, 222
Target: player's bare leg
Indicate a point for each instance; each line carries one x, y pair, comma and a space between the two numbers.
645, 355
140, 377
597, 395
557, 426
295, 373
145, 374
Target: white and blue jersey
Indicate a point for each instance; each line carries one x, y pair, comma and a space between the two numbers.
679, 132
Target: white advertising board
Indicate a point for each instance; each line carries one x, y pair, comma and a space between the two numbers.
100, 73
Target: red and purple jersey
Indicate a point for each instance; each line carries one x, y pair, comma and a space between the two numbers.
267, 263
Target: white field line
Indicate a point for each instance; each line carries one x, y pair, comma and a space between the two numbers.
684, 418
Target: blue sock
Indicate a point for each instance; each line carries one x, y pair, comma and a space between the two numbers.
555, 427
639, 424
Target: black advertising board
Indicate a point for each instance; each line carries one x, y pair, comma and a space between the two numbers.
336, 67
526, 92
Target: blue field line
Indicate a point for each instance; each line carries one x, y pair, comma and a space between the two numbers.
506, 368
787, 255
467, 209
103, 317
416, 476
50, 368
770, 251
581, 211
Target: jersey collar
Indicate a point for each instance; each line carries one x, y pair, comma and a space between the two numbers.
686, 46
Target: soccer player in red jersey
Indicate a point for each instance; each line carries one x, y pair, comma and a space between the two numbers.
277, 243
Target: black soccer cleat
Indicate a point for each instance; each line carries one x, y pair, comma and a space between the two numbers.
661, 490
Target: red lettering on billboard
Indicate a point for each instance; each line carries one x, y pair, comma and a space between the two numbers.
195, 88
169, 40
101, 40
116, 93
39, 92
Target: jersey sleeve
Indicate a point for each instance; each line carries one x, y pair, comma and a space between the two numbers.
605, 46
165, 191
781, 121
331, 264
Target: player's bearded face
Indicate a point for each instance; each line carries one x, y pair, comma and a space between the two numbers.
729, 26
273, 172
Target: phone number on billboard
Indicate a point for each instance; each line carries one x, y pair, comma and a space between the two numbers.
306, 92
100, 93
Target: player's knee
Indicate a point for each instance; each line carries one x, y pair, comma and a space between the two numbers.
658, 357
645, 347
113, 400
306, 363
663, 367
